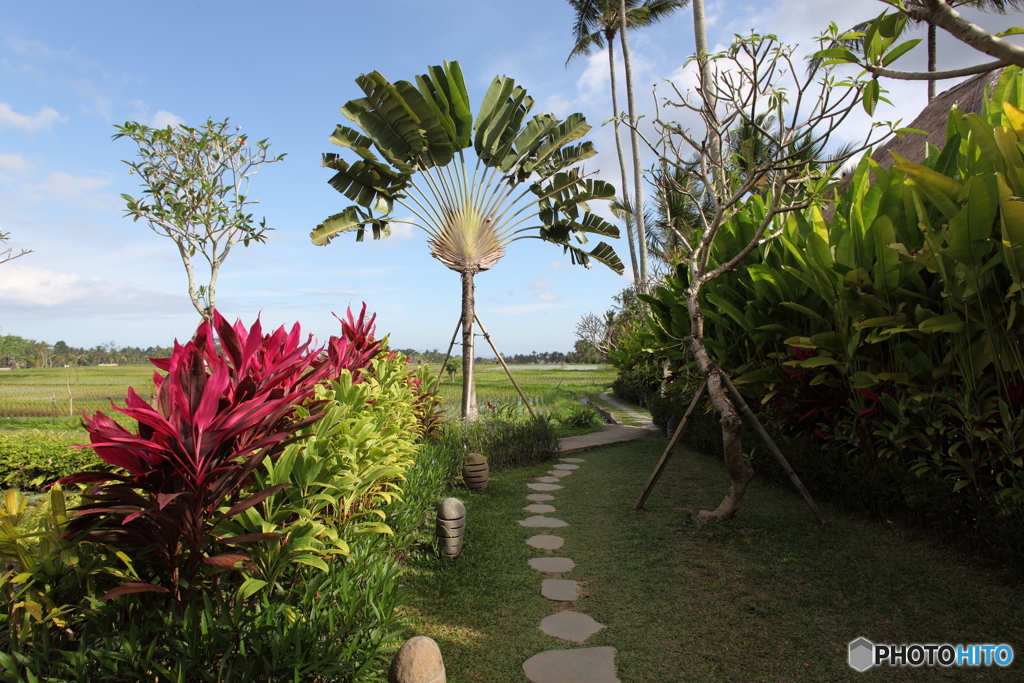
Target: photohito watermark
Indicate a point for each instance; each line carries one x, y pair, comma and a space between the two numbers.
864, 654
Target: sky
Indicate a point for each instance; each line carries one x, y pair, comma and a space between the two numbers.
71, 71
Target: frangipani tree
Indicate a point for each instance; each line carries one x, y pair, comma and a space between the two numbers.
412, 146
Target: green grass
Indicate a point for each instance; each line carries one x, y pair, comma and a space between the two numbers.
768, 596
549, 390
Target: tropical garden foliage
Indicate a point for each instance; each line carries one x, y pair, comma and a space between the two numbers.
890, 331
239, 532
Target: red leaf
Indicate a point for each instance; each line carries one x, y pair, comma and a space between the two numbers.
128, 588
163, 499
253, 500
230, 561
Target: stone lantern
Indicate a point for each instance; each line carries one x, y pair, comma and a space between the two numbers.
451, 526
475, 472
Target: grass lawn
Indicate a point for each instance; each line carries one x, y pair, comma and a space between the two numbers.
769, 596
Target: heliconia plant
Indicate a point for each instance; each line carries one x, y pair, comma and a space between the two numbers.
217, 415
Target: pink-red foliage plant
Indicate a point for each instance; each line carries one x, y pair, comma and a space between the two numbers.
217, 414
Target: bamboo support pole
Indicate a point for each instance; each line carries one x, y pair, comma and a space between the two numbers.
448, 355
752, 419
507, 371
671, 447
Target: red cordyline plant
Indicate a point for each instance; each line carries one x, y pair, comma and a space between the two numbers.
215, 417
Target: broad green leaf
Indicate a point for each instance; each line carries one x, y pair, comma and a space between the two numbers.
1012, 226
819, 361
943, 323
968, 233
899, 51
346, 221
940, 189
806, 311
250, 586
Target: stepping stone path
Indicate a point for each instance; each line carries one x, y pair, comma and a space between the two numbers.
579, 665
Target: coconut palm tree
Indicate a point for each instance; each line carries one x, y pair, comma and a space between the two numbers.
524, 183
597, 23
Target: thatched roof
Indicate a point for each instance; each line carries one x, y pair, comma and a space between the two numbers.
968, 96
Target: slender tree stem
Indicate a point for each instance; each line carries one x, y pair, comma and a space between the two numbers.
623, 189
638, 176
469, 411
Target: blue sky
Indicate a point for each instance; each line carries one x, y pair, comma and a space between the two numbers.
70, 71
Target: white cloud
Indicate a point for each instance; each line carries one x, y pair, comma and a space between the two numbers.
538, 284
101, 102
65, 187
164, 118
44, 120
13, 162
561, 265
548, 296
39, 292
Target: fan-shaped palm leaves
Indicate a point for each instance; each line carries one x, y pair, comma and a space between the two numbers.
523, 183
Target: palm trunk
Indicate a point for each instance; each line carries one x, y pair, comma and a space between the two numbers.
739, 468
931, 60
622, 160
638, 176
469, 412
707, 94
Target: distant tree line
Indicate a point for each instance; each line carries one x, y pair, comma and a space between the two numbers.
581, 354
18, 352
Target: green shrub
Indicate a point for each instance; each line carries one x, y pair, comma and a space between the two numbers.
31, 460
582, 418
505, 443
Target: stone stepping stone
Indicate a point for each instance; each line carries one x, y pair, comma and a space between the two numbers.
562, 590
539, 497
544, 487
537, 507
542, 521
570, 625
555, 565
559, 473
572, 459
547, 480
581, 665
545, 541
564, 466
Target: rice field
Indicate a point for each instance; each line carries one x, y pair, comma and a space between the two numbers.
67, 392
549, 388
54, 398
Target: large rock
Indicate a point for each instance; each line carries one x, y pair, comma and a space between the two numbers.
417, 661
451, 526
475, 471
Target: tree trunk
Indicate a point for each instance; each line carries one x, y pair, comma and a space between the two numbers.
739, 468
932, 66
623, 191
638, 176
469, 412
707, 95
